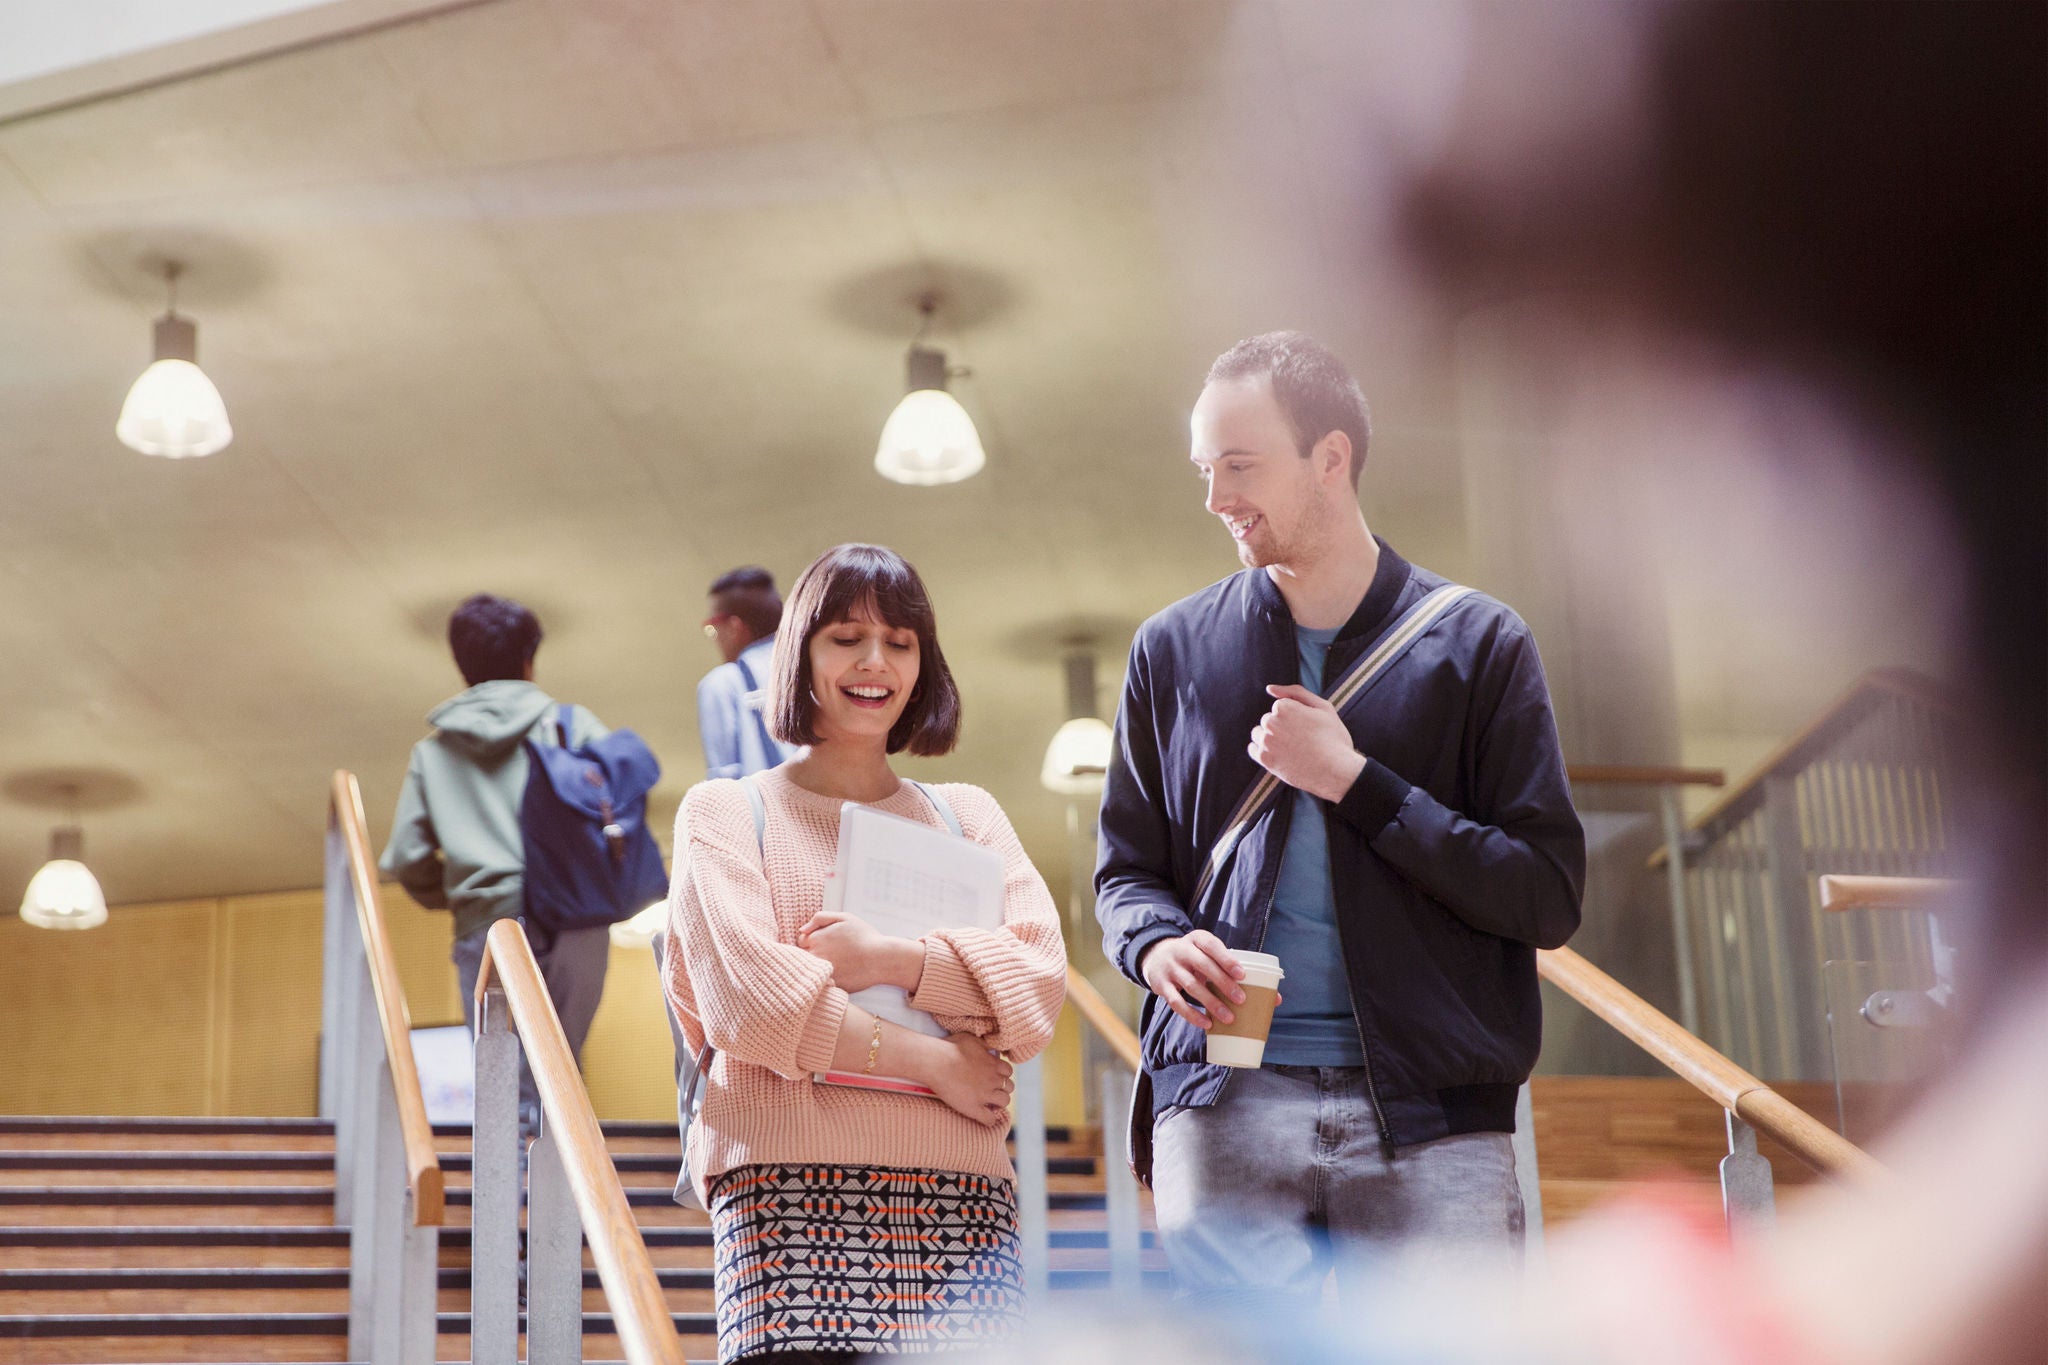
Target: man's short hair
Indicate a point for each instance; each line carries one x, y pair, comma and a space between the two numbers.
493, 638
1315, 392
749, 593
838, 582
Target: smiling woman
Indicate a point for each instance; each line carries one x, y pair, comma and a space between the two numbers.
797, 1172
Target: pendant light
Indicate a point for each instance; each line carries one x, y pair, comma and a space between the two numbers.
174, 410
1077, 760
65, 894
929, 439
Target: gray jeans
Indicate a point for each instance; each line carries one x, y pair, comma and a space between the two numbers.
1261, 1194
573, 967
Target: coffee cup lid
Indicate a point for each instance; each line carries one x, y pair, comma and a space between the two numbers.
1249, 958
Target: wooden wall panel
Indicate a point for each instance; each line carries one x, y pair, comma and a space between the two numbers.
213, 1007
269, 1009
629, 1060
114, 1020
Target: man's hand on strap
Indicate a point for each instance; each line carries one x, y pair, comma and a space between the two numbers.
1305, 743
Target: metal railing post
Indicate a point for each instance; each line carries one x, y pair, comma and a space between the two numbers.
345, 980
1747, 1196
367, 1073
554, 1259
1033, 1221
494, 1188
337, 910
1796, 1006
419, 1248
1681, 921
1527, 1177
1120, 1187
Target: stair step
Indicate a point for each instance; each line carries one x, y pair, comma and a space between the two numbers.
43, 1159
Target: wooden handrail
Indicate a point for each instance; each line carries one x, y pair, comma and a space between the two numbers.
631, 1286
1713, 1075
1896, 682
1640, 776
1839, 892
1102, 1017
422, 1168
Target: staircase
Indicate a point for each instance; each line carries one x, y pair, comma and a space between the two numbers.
125, 1240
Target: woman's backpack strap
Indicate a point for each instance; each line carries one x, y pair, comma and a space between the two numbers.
939, 804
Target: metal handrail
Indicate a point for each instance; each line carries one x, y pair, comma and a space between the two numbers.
512, 998
424, 1179
1713, 1075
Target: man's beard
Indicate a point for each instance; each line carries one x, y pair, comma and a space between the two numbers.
1301, 544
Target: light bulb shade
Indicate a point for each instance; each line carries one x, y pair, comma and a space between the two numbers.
639, 931
64, 895
1078, 757
174, 411
929, 439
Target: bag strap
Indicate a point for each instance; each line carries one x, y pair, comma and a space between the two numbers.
565, 715
770, 752
1412, 626
760, 812
943, 807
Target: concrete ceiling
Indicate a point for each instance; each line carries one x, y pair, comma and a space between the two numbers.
586, 303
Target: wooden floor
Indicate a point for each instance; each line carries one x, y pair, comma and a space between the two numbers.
160, 1241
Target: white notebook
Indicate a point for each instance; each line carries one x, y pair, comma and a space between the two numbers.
907, 879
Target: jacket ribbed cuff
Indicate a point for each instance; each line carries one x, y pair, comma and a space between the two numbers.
1375, 798
945, 987
1140, 944
821, 1032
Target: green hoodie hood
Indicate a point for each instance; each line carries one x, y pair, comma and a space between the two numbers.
490, 718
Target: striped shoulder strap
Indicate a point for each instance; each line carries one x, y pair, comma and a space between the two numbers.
1259, 797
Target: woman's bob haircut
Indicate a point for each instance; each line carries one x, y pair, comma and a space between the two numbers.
838, 583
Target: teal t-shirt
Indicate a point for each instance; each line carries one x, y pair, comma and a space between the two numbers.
1314, 1025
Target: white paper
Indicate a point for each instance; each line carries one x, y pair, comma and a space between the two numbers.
907, 879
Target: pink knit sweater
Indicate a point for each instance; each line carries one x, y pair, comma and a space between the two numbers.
736, 976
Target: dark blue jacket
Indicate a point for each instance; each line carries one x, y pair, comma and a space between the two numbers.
1453, 858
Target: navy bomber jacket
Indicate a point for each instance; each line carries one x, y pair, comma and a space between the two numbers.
1454, 856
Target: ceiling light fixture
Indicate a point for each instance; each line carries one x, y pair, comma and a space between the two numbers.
174, 410
929, 439
1078, 758
65, 894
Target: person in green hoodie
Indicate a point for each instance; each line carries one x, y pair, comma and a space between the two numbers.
455, 840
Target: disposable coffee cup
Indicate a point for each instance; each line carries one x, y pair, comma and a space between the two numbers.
1242, 1042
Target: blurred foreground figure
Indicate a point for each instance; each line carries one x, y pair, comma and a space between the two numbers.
1853, 194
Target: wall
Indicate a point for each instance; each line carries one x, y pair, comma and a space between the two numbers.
213, 1007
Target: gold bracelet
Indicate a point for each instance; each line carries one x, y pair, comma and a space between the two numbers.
874, 1050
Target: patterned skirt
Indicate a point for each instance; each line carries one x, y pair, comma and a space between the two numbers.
863, 1258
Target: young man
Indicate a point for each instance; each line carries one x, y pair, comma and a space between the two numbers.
1422, 847
745, 611
455, 841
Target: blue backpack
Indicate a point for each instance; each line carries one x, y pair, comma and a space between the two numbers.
589, 858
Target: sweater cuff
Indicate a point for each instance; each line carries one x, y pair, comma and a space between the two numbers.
821, 1032
1375, 798
945, 987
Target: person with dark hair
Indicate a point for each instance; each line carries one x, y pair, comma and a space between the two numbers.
455, 840
1403, 859
745, 613
900, 1208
